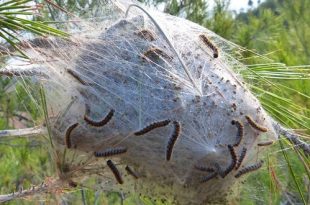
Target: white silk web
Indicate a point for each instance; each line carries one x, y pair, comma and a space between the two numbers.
169, 79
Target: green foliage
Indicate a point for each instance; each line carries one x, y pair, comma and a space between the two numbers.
14, 18
24, 162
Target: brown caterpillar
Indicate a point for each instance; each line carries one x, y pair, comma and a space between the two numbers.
146, 34
265, 143
240, 132
111, 151
153, 52
76, 76
115, 171
208, 43
219, 170
131, 172
173, 139
152, 126
102, 122
68, 135
204, 169
207, 178
233, 162
250, 168
241, 157
255, 125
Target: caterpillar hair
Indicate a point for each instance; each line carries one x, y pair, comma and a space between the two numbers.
131, 172
208, 43
68, 135
241, 157
115, 171
173, 139
240, 132
76, 76
146, 34
233, 160
204, 169
249, 169
207, 178
102, 122
111, 152
152, 126
255, 125
265, 143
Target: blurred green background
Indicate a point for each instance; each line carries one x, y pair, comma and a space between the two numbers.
277, 29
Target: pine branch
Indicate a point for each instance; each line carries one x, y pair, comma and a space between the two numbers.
292, 137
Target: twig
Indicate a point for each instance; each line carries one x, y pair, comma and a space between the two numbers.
59, 8
292, 137
26, 132
16, 72
46, 187
19, 116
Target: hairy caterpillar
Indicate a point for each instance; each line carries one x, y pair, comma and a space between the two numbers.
76, 76
240, 132
249, 169
219, 170
152, 126
131, 172
146, 34
233, 162
101, 123
173, 139
204, 169
111, 151
241, 157
207, 178
68, 135
208, 43
265, 143
115, 171
156, 51
255, 125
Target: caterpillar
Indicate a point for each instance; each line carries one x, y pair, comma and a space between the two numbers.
219, 170
146, 34
173, 139
208, 43
265, 143
240, 132
250, 168
204, 169
102, 122
255, 125
111, 151
68, 135
76, 76
233, 162
207, 178
131, 172
157, 51
241, 157
152, 126
115, 171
